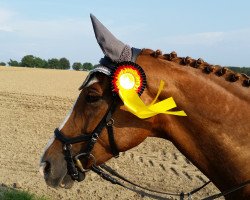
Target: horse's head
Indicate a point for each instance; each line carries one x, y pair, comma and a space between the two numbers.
98, 126
109, 116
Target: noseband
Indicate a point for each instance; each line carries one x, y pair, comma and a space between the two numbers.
73, 161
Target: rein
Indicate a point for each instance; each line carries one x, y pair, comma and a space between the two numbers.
103, 169
100, 171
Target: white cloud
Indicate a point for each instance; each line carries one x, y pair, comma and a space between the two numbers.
71, 38
5, 15
5, 19
208, 38
52, 29
5, 28
219, 47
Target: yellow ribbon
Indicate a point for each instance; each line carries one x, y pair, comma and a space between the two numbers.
136, 106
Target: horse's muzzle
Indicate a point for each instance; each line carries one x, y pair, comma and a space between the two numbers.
63, 180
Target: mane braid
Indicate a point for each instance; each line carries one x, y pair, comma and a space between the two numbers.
207, 68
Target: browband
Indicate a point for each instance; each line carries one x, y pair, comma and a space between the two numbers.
106, 65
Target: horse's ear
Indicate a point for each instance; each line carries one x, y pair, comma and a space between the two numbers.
112, 47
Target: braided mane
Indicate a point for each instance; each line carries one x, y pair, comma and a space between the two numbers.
205, 67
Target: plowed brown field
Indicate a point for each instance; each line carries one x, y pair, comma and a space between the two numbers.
35, 101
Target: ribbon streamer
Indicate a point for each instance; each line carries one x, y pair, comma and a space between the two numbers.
136, 106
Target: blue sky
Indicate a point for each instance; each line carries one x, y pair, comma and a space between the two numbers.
217, 31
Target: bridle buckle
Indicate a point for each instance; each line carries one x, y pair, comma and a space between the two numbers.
67, 147
94, 137
111, 122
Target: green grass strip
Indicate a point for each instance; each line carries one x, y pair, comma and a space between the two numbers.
12, 194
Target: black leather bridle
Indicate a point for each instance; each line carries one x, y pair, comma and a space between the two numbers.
74, 163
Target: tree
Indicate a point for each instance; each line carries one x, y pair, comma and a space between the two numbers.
64, 63
13, 63
87, 66
53, 63
77, 66
40, 63
28, 61
2, 64
32, 61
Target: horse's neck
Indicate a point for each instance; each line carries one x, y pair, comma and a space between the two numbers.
215, 134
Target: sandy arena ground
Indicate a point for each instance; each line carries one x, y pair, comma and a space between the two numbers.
35, 101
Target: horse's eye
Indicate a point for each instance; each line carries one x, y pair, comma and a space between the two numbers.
92, 98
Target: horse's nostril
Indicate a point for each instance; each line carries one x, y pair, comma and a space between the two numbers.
47, 168
44, 168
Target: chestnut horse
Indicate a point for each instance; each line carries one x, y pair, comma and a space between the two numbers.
215, 135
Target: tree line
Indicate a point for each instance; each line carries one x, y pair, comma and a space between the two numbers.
53, 63
244, 70
63, 63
